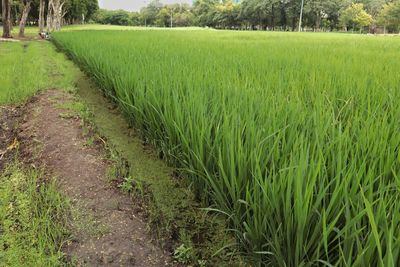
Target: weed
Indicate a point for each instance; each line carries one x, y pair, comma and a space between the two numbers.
183, 254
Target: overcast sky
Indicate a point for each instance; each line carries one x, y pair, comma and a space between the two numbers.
133, 5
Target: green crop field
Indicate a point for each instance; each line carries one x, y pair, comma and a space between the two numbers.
293, 137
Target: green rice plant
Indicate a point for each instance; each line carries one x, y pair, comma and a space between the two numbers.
293, 137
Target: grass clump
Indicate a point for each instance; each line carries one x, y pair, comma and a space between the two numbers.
32, 219
294, 138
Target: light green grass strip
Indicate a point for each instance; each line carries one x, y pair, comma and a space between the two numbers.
27, 67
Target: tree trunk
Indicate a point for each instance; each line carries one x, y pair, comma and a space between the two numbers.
273, 18
318, 21
55, 15
24, 17
16, 14
6, 18
41, 16
50, 25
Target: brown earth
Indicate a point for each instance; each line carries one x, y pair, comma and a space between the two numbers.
106, 229
9, 119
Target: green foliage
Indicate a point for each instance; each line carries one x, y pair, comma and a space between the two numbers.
127, 184
183, 254
118, 17
390, 16
292, 137
29, 67
204, 11
227, 14
32, 219
76, 10
153, 15
355, 15
244, 14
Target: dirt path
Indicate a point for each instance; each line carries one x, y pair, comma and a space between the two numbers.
106, 230
8, 134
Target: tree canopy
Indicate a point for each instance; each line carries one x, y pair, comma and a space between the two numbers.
75, 10
264, 14
233, 14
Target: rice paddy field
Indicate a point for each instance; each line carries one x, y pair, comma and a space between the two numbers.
294, 138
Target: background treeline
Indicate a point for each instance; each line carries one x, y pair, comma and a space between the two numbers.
283, 15
73, 11
49, 15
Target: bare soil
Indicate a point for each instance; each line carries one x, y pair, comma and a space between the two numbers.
106, 229
9, 119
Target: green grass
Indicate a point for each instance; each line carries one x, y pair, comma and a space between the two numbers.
31, 219
294, 137
28, 67
32, 212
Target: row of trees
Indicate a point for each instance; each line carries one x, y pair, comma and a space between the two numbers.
155, 14
264, 15
50, 14
229, 14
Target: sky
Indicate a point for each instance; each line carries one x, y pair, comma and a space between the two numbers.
133, 5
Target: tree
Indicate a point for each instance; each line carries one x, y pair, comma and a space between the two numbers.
25, 12
6, 18
204, 11
389, 16
227, 14
134, 18
149, 13
55, 14
41, 15
117, 17
164, 17
184, 19
79, 11
355, 15
314, 11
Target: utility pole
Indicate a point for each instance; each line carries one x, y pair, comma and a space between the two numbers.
301, 14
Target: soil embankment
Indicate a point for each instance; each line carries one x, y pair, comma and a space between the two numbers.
106, 231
